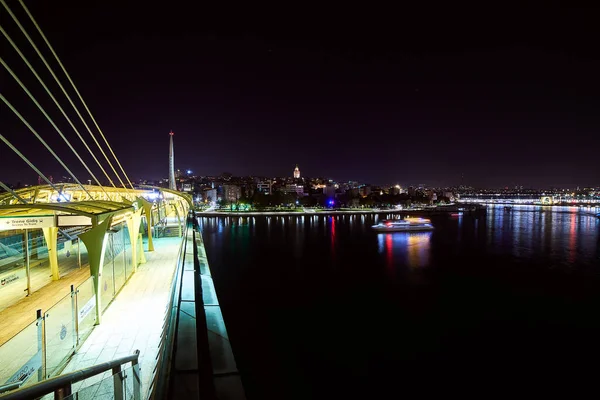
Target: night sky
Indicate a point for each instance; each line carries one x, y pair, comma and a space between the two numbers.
504, 93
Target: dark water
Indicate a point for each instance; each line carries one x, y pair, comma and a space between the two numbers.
323, 307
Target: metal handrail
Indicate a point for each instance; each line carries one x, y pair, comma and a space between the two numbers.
11, 386
163, 368
65, 381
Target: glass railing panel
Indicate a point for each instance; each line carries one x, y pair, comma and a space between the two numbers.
67, 257
86, 308
21, 356
82, 253
39, 264
13, 281
128, 253
128, 382
119, 259
60, 335
105, 388
107, 284
140, 252
107, 287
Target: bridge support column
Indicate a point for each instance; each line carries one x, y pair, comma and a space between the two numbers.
133, 225
148, 212
142, 257
95, 242
51, 236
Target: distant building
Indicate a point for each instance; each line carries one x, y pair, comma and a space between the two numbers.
353, 192
364, 191
210, 195
265, 187
298, 189
296, 172
232, 193
394, 190
248, 190
329, 191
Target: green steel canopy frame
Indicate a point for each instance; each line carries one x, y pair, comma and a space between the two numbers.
124, 205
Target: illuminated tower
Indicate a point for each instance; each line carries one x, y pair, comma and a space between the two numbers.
172, 184
296, 172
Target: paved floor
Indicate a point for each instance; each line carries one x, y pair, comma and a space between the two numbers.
134, 320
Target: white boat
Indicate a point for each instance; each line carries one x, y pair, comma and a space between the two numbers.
404, 225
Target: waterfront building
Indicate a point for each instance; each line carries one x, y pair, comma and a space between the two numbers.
449, 195
364, 191
329, 191
298, 189
265, 187
231, 193
210, 195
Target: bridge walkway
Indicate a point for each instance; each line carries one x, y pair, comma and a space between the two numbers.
134, 320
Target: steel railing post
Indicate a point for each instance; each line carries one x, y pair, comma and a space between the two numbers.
62, 392
112, 252
79, 252
40, 345
45, 346
74, 318
124, 250
27, 262
137, 379
117, 383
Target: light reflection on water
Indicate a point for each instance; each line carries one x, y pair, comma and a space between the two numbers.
409, 248
557, 235
562, 234
329, 272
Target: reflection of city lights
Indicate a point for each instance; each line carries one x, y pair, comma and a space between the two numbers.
418, 249
333, 236
412, 247
389, 246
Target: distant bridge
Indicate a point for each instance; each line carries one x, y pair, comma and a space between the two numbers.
534, 200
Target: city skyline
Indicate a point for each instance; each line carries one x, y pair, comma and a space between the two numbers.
184, 174
374, 104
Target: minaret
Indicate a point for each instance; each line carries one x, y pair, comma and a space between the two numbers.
172, 184
296, 172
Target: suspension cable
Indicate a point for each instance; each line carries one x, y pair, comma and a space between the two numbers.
13, 148
16, 48
75, 88
43, 142
12, 192
61, 86
51, 121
